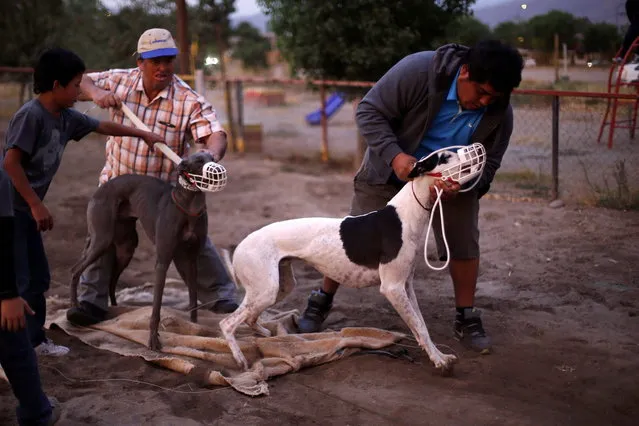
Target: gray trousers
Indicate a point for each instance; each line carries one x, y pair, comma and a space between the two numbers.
213, 280
461, 216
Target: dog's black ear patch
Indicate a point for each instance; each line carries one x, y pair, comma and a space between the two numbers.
424, 165
371, 239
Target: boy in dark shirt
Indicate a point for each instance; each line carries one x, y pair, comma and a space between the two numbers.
17, 357
35, 140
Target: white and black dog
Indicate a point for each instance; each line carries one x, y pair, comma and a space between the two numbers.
377, 248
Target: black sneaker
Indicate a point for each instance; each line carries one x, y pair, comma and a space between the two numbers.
224, 306
470, 331
319, 305
86, 314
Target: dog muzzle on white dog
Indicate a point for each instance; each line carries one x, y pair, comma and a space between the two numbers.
212, 179
471, 163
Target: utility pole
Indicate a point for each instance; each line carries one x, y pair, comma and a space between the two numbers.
183, 37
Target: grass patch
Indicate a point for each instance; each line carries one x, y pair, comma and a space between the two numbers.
615, 194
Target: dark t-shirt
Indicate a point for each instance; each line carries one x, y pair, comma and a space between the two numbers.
42, 138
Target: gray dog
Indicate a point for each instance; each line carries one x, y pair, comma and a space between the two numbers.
173, 217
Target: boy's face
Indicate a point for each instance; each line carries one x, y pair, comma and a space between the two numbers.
474, 95
67, 96
157, 72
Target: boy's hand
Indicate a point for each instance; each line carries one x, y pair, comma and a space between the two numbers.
42, 217
12, 314
151, 138
107, 99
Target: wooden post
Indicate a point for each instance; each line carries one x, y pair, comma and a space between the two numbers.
556, 57
183, 36
239, 98
324, 123
227, 89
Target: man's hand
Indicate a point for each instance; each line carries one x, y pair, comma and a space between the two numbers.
12, 314
402, 164
151, 139
107, 99
449, 188
42, 216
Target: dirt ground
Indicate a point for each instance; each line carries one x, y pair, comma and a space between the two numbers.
558, 288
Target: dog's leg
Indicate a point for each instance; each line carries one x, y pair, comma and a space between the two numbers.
101, 231
73, 290
125, 241
165, 243
259, 275
394, 288
185, 262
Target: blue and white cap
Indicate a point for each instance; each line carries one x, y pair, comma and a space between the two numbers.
156, 42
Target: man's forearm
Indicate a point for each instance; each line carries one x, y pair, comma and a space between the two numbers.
88, 89
216, 144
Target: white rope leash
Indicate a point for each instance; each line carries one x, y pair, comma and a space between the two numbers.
438, 202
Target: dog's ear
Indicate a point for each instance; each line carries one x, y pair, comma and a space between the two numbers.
424, 165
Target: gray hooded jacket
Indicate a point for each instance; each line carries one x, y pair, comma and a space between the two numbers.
396, 113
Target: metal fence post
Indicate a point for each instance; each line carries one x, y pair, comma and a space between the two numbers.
555, 148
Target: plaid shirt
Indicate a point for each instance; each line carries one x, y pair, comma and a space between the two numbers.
177, 113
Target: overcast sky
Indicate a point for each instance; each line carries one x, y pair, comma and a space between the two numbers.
249, 7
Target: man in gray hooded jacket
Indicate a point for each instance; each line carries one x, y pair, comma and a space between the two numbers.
430, 100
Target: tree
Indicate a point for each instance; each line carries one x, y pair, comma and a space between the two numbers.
602, 38
251, 47
357, 39
544, 27
467, 30
514, 33
29, 27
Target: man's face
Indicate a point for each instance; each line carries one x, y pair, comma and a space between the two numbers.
67, 96
473, 95
157, 72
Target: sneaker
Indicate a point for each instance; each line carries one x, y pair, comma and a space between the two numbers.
56, 411
224, 306
48, 348
86, 314
470, 331
319, 305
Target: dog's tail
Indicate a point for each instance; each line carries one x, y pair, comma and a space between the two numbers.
228, 264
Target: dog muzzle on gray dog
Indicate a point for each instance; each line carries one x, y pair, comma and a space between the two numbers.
212, 179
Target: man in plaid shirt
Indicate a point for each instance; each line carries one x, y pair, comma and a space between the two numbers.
170, 108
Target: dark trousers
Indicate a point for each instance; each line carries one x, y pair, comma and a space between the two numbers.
18, 359
32, 273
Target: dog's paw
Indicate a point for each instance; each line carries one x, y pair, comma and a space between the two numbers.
445, 364
242, 363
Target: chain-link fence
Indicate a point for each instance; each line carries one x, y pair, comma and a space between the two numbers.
554, 149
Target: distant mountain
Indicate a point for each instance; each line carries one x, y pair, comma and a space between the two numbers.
258, 20
611, 11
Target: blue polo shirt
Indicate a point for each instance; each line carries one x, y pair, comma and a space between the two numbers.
451, 126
